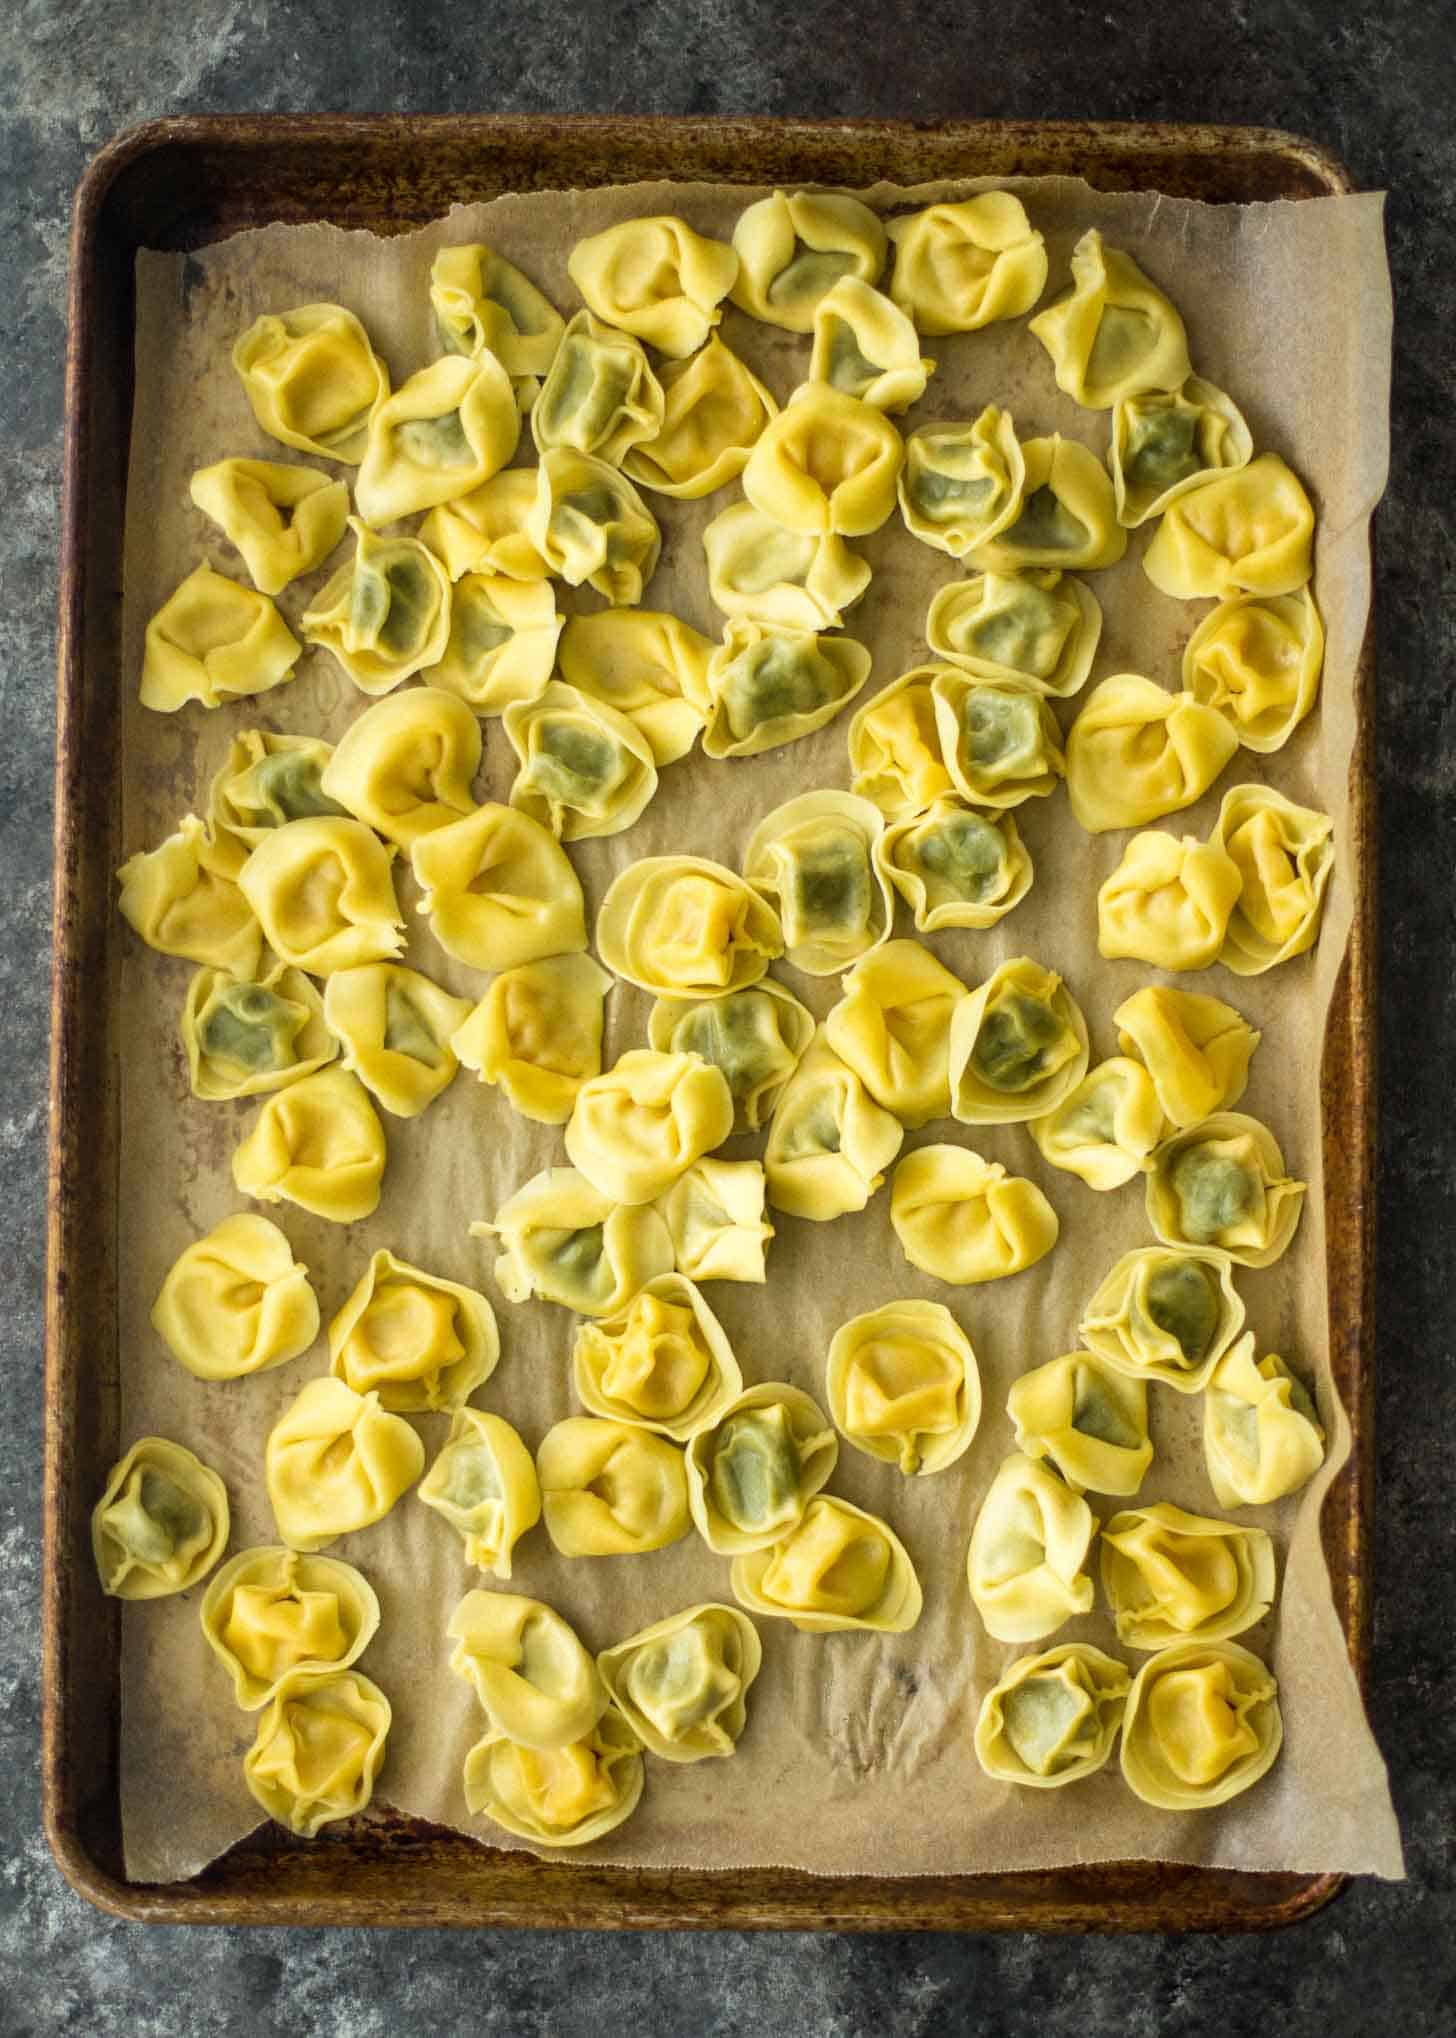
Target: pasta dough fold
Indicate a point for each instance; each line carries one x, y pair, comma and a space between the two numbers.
1196, 1049
323, 895
962, 1219
714, 411
651, 668
236, 1302
1018, 1046
271, 1612
335, 1462
685, 927
754, 1469
266, 780
1222, 1183
502, 643
866, 347
1027, 1550
499, 890
1105, 1129
242, 1039
662, 1362
1088, 1418
795, 579
385, 614
419, 1342
1038, 629
1258, 661
1166, 1315
484, 1484
558, 1797
483, 304
318, 1749
1284, 855
181, 898
313, 379
756, 1037
213, 641
589, 524
892, 1029
537, 1032
793, 248
584, 768
714, 1217
1067, 514
656, 278
1001, 744
962, 484
682, 1684
838, 1568
1202, 1724
1262, 1436
406, 765
962, 266
829, 1143
485, 532
601, 396
564, 1241
610, 1489
1171, 1576
1052, 1719
1168, 442
634, 1129
895, 750
284, 519
1168, 901
395, 1027
814, 857
955, 867
318, 1144
1114, 333
1247, 532
534, 1680
903, 1386
827, 463
1136, 753
445, 431
161, 1523
770, 685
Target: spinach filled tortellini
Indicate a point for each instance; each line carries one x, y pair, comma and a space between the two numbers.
837, 1568
1222, 1183
161, 1523
1167, 442
590, 525
182, 899
662, 1362
1114, 333
954, 867
484, 1484
323, 895
318, 1749
827, 463
407, 764
336, 1462
962, 266
682, 1684
558, 1797
755, 1036
1104, 1130
1053, 1718
796, 579
270, 1612
903, 1385
419, 1342
313, 379
537, 1032
1202, 1724
1171, 1576
892, 1028
1067, 515
564, 1241
213, 641
829, 1142
1195, 1048
1262, 1436
1168, 901
242, 1038
395, 1027
601, 396
656, 278
236, 1302
266, 780
767, 684
284, 519
1018, 1046
483, 304
754, 1469
1136, 753
685, 927
1165, 1315
651, 668
962, 1219
634, 1129
1027, 1551
1284, 855
385, 614
318, 1144
610, 1489
1248, 532
1038, 629
793, 249
584, 769
961, 484
532, 1676
1258, 661
865, 346
485, 532
814, 856
714, 1217
895, 750
1088, 1418
502, 642
499, 890
441, 434
1001, 744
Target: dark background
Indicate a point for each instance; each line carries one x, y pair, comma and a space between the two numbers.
1376, 85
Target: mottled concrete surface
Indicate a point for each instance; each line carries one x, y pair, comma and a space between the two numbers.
1376, 84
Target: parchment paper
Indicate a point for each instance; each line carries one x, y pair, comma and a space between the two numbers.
857, 1756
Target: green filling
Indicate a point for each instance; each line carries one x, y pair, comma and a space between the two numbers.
1162, 448
813, 1132
1096, 1414
775, 680
809, 272
572, 766
754, 1479
436, 442
1182, 1301
850, 369
1124, 337
1028, 636
586, 392
580, 1253
1046, 525
286, 784
406, 1030
830, 886
1002, 730
1041, 1715
1214, 1191
597, 504
1014, 1042
392, 608
471, 1481
157, 1520
738, 1034
252, 1029
966, 855
480, 629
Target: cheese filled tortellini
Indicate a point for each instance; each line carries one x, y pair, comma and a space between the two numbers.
318, 1749
499, 890
1222, 1183
903, 1386
483, 304
1104, 1130
955, 867
755, 1036
1168, 902
590, 525
768, 684
313, 379
827, 463
266, 780
323, 894
1001, 744
656, 278
714, 1217
1195, 1048
284, 519
866, 346
1284, 855
1088, 1418
583, 769
161, 1523
385, 614
962, 266
1262, 1436
601, 396
336, 1462
685, 927
1167, 442
181, 898
1258, 661
895, 750
643, 1122
1114, 333
798, 579
537, 1033
532, 1676
1018, 1046
1067, 515
814, 857
213, 641
1038, 629
610, 1489
485, 532
442, 433
892, 1028
1166, 1315
271, 1611
395, 1027
838, 1568
649, 667
1202, 1724
502, 643
419, 1342
1027, 1552
242, 1039
1247, 532
682, 1684
829, 1142
318, 1144
962, 1219
754, 1469
793, 248
1136, 753
962, 483
1052, 1719
1171, 1576
662, 1362
559, 1796
406, 765
236, 1302
484, 1484
563, 1240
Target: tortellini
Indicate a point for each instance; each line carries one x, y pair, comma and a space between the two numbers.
214, 641
584, 769
318, 1749
814, 856
502, 642
656, 278
1052, 1719
767, 684
1202, 1724
962, 266
1104, 1130
1284, 855
1067, 515
323, 895
590, 525
318, 1144
419, 1342
483, 304
1088, 1418
903, 1385
829, 1142
796, 579
865, 346
892, 1028
1195, 1048
685, 927
272, 1611
484, 1484
1262, 1436
236, 1302
601, 396
181, 898
266, 780
336, 1462
793, 249
755, 1036
385, 614
1171, 1576
634, 1129
662, 1362
406, 765
395, 1027
1114, 333
534, 1680
682, 1684
962, 1219
284, 519
1136, 753
564, 1241
838, 1568
895, 749
1168, 902
649, 667
1258, 661
1166, 442
753, 1471
961, 484
242, 1039
313, 379
610, 1489
1247, 532
444, 432
558, 1797
537, 1032
499, 890
1018, 1046
1222, 1184
161, 1523
485, 532
955, 867
1165, 1315
1027, 1552
1038, 629
827, 463
714, 1217
1001, 744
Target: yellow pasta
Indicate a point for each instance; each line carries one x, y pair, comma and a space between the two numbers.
1284, 855
589, 525
1027, 1552
1262, 1436
827, 463
407, 764
313, 379
755, 1036
236, 1302
558, 1797
1018, 1046
266, 780
753, 1470
962, 266
1166, 1314
419, 1342
485, 532
651, 668
395, 1027
1166, 443
272, 1611
829, 1142
800, 580
563, 1240
1114, 333
1088, 1418
1195, 1048
242, 1038
1168, 902
284, 519
1222, 1183
498, 890
793, 248
1067, 515
814, 857
213, 641
385, 613
662, 1362
318, 1144
1052, 1719
838, 1568
962, 484
318, 1749
1248, 532
895, 747
715, 1221
685, 927
955, 867
537, 1032
767, 684
601, 396
161, 1522
892, 1029
1037, 629
1136, 753
1257, 659
634, 1129
682, 1684
656, 278
903, 1386
714, 411
502, 642
610, 1489
1202, 1725
865, 346
182, 899
323, 895
1105, 1129
441, 434
962, 1219
532, 1677
483, 303
1001, 744
585, 769
335, 1462
484, 1484
1171, 1576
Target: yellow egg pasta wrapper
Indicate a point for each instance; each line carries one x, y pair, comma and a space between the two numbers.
1285, 855
1195, 1048
962, 484
1052, 1719
1088, 1418
682, 1684
801, 580
529, 1671
537, 1033
385, 614
662, 1362
955, 867
318, 1144
1166, 443
407, 764
1202, 1725
499, 890
895, 748
236, 1302
754, 1469
336, 1462
266, 780
1222, 1184
1262, 1436
714, 411
683, 926
1248, 532
634, 1129
242, 1039
827, 463
442, 433
214, 641
865, 346
838, 1568
610, 1489
903, 1385
271, 1612
1027, 1552
649, 667
1258, 659
1114, 333
1037, 629
1067, 515
1135, 753
756, 1036
585, 770
558, 1797
395, 1027
892, 1028
814, 857
656, 278
483, 1482
485, 532
1168, 902
589, 525
1105, 1129
715, 1221
182, 899
1001, 744
419, 1342
312, 379
1165, 1314
161, 1523
484, 304
601, 396
1018, 1046
1171, 1576
284, 519
962, 1219
829, 1142
563, 1240
793, 248
767, 685
324, 895
318, 1749
962, 266
502, 643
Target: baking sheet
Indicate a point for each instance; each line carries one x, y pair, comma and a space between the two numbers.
857, 1754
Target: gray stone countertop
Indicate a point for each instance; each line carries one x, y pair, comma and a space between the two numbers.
1375, 84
